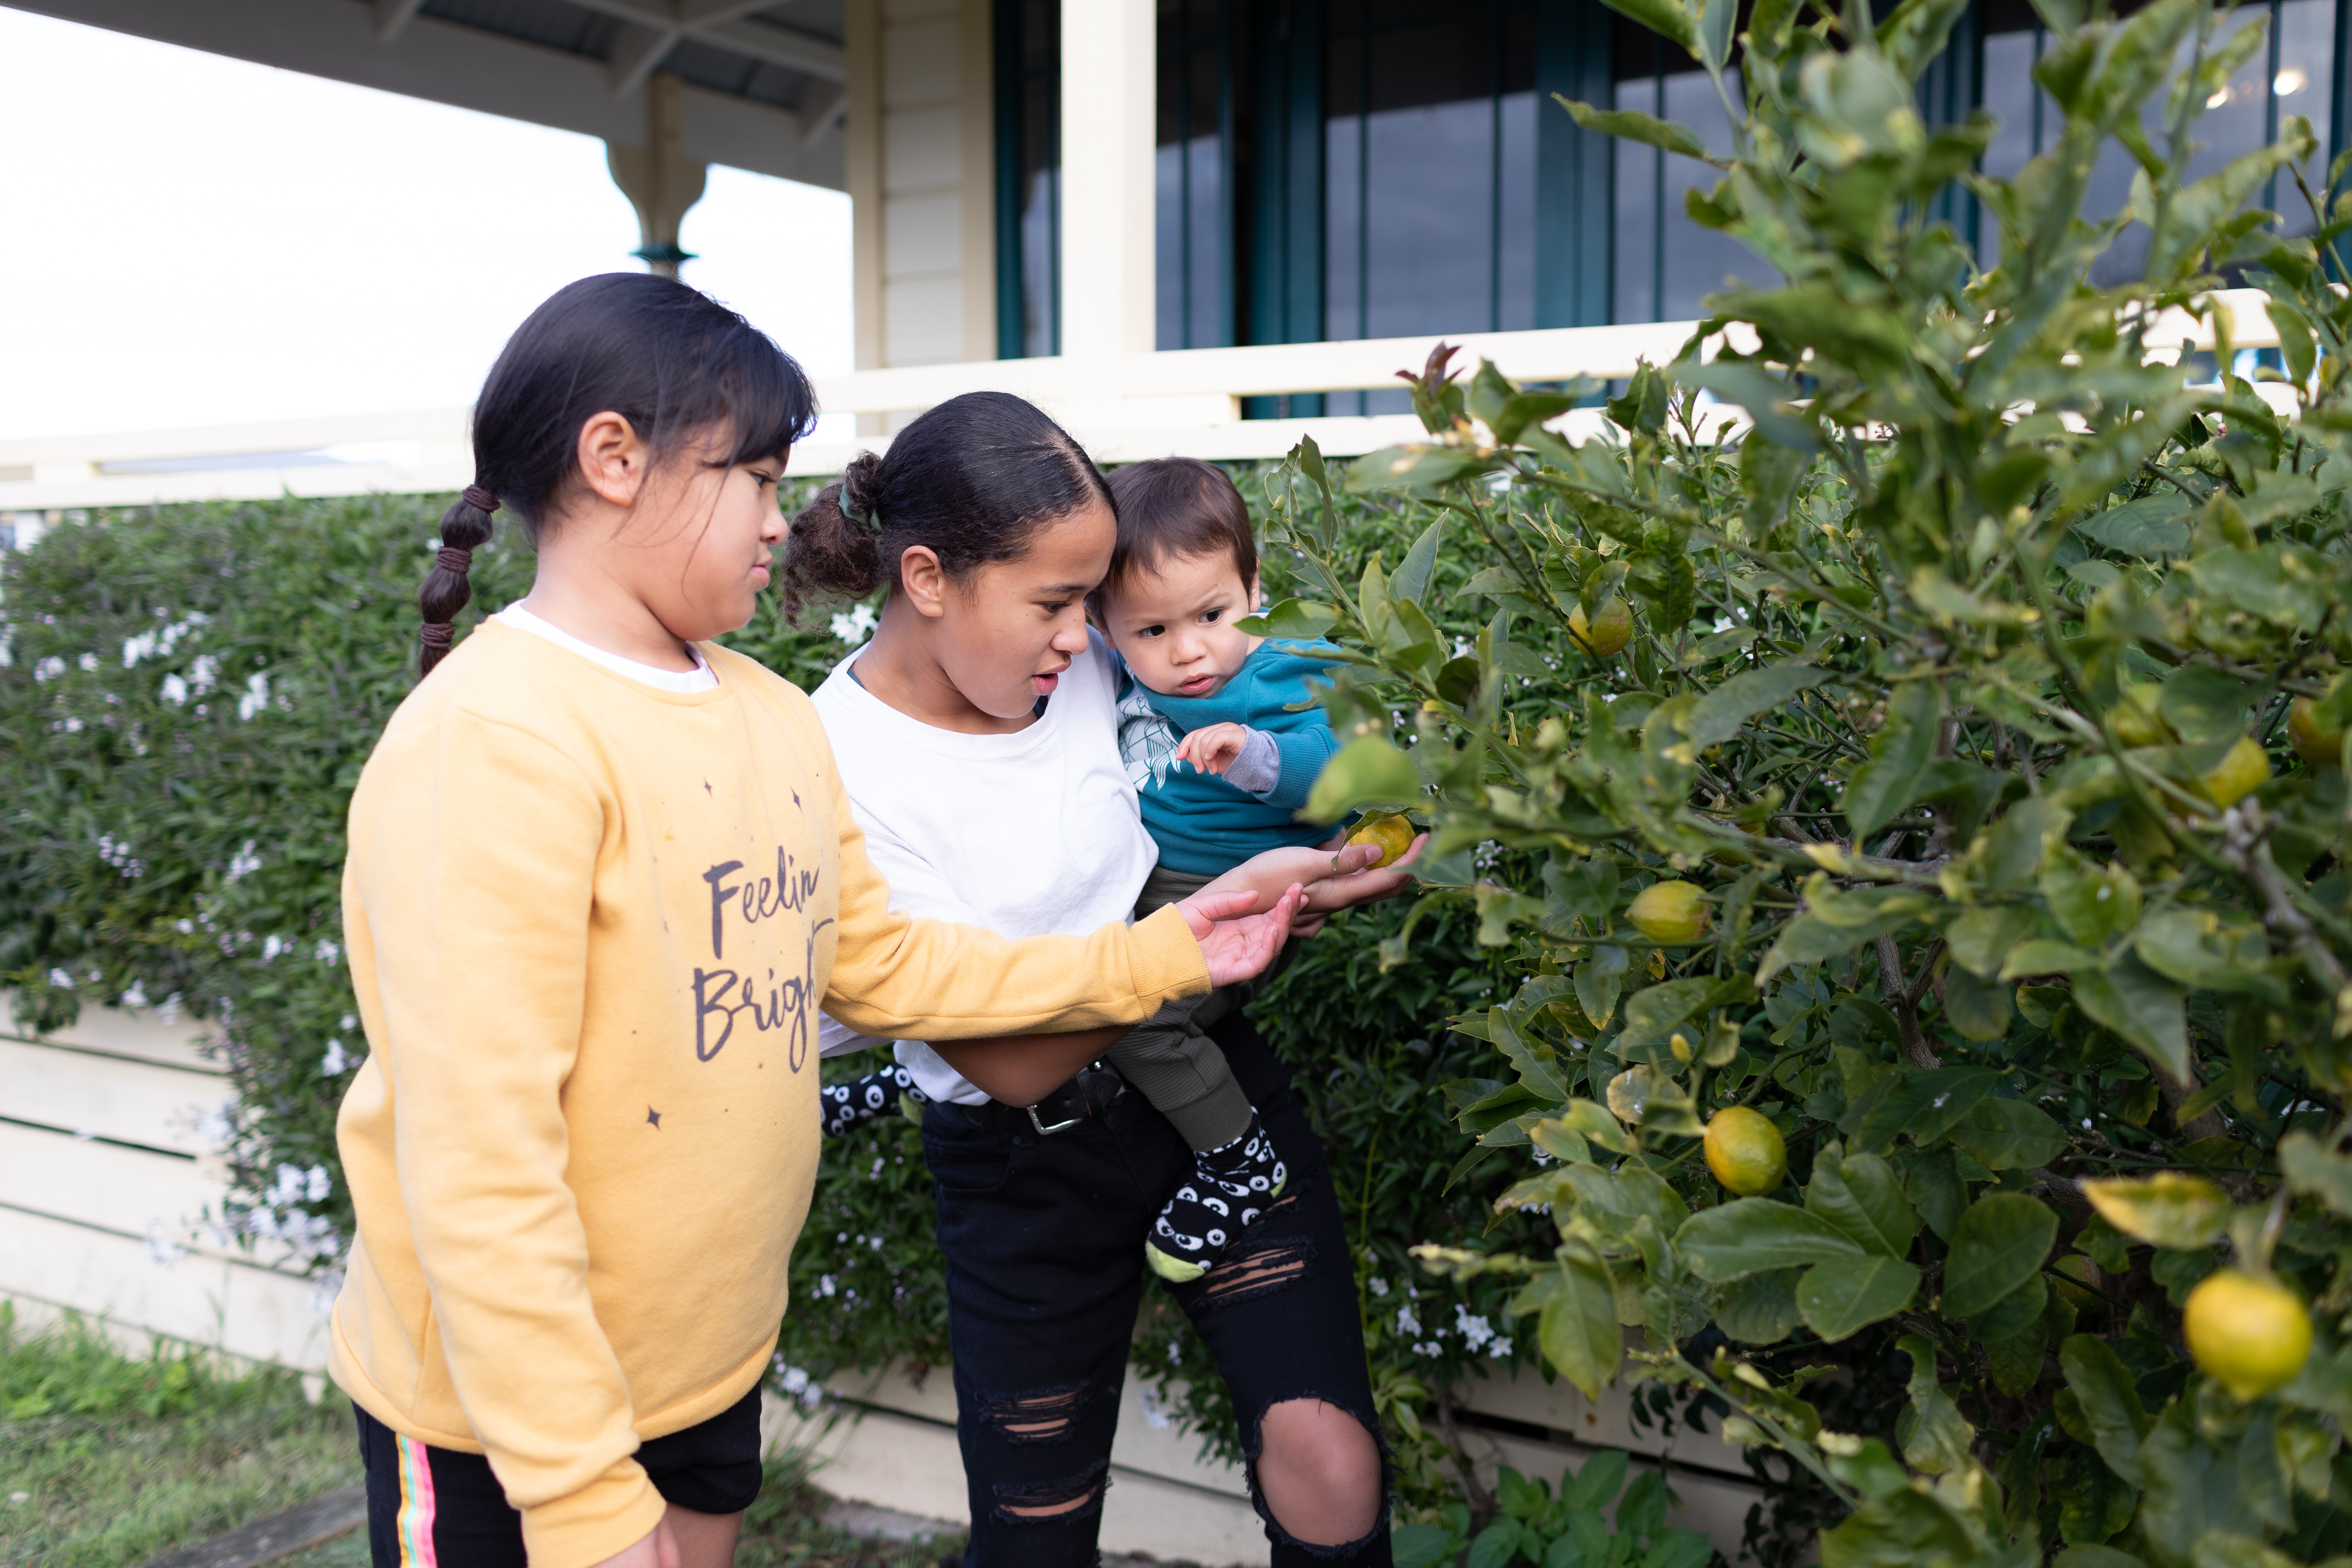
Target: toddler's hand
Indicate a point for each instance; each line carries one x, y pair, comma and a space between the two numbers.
1213, 747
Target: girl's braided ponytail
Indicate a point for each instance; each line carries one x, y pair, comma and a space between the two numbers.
464, 528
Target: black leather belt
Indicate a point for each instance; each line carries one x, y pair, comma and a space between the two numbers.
1090, 1094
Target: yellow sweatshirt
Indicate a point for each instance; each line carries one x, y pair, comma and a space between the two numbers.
591, 924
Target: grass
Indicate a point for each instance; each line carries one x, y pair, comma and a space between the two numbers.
107, 1461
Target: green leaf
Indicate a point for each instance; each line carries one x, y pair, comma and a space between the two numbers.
1421, 1545
2093, 904
1841, 1298
1579, 1329
2109, 1400
1860, 1196
1764, 397
1997, 1245
1413, 573
1899, 753
2170, 1209
1759, 1309
1413, 468
1979, 1009
1926, 1105
1596, 1485
1366, 772
2150, 528
1722, 711
2314, 1169
1632, 125
1938, 1438
2095, 1557
1749, 1236
1301, 619
2141, 1005
1667, 18
1981, 938
1902, 1530
2008, 1135
2043, 956
1599, 979
2204, 704
1653, 1012
2221, 1549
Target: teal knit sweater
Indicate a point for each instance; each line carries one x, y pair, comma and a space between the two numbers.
1202, 825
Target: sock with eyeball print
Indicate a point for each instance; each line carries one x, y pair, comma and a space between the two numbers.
845, 1106
1230, 1187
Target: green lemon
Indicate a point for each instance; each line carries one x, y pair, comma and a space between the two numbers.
1605, 634
1745, 1150
2320, 747
2250, 1335
2242, 769
1670, 912
1392, 834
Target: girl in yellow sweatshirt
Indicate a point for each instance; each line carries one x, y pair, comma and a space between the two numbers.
601, 878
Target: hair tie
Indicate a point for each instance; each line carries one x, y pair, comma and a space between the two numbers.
436, 635
864, 517
480, 501
451, 559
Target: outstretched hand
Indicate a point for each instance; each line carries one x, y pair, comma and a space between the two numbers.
1213, 748
1352, 885
1236, 943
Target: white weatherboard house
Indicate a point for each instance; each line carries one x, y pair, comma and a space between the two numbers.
1205, 226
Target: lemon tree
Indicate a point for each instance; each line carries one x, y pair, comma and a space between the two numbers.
1932, 927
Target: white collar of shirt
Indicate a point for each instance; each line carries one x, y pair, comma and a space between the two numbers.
701, 678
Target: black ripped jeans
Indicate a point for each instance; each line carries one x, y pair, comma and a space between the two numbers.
1044, 1237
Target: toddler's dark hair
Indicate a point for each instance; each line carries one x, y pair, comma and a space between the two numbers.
674, 363
1177, 508
971, 479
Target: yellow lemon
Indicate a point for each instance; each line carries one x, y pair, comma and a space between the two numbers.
2320, 747
1606, 633
2250, 1335
1668, 912
2241, 770
1745, 1153
1392, 834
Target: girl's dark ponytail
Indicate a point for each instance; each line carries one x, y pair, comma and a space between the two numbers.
970, 481
686, 371
836, 547
464, 528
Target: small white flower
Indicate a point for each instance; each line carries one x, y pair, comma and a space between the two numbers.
175, 690
136, 996
244, 863
256, 696
1408, 1322
203, 674
326, 952
1155, 1413
135, 648
335, 1063
270, 948
162, 1251
1377, 1285
855, 624
49, 668
88, 663
1500, 1348
61, 980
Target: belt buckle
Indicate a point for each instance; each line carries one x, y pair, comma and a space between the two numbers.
1045, 1131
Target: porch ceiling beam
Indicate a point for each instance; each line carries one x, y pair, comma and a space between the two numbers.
723, 24
392, 16
446, 63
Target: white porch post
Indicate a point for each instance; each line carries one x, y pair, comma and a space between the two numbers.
1108, 56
